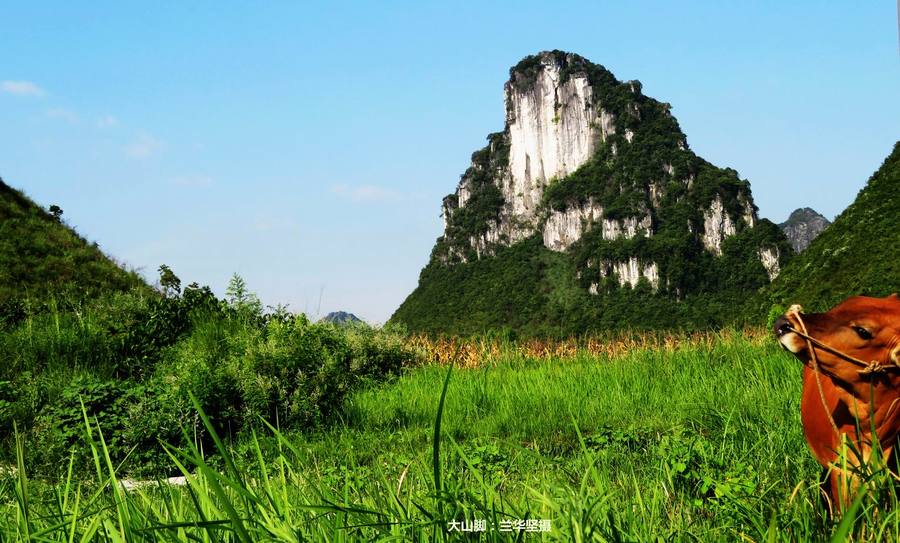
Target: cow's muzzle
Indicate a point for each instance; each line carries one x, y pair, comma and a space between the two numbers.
785, 329
783, 326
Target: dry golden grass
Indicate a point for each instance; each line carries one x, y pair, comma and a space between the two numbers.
480, 351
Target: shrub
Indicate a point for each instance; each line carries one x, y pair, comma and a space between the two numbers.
59, 428
133, 358
289, 370
12, 312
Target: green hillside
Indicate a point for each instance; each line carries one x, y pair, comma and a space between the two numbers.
855, 255
41, 256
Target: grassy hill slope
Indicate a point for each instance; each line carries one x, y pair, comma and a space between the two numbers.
858, 254
39, 255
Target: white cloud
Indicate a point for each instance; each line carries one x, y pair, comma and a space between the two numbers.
21, 88
145, 146
107, 121
63, 115
193, 181
364, 193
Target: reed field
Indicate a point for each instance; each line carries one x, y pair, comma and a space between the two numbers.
637, 437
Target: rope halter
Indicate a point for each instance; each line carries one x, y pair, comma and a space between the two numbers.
868, 368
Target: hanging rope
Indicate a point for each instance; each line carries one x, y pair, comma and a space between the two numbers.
868, 368
795, 312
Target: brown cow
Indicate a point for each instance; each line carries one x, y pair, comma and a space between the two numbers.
851, 376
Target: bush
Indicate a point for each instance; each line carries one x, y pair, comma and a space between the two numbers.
289, 370
12, 312
59, 428
133, 358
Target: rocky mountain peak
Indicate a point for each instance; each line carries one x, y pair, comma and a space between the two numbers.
581, 149
590, 167
341, 318
803, 226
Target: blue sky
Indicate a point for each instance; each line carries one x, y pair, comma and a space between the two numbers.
307, 146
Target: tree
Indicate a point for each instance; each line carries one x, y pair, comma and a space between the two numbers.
169, 282
242, 300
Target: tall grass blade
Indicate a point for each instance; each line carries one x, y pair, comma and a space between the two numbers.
436, 448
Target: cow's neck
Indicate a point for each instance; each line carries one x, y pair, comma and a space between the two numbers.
850, 406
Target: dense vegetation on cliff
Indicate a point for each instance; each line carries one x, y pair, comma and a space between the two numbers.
529, 290
857, 254
662, 238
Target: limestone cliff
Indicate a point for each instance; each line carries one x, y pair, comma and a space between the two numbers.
603, 174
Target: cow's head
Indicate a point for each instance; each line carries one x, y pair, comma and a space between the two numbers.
865, 328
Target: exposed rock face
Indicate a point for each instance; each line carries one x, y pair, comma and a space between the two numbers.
626, 228
485, 242
553, 129
748, 212
770, 257
553, 126
717, 225
803, 226
563, 228
463, 193
630, 272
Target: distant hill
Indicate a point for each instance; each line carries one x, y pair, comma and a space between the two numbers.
858, 254
40, 255
803, 226
341, 317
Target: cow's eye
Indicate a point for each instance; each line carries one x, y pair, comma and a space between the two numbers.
862, 332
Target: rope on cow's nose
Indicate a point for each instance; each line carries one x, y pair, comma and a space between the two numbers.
868, 368
795, 311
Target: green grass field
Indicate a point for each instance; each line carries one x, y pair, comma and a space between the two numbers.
696, 443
